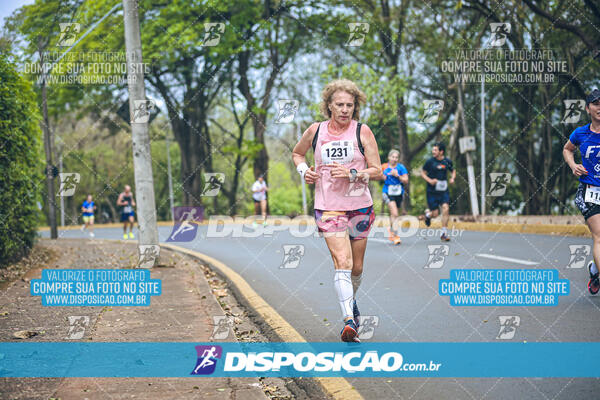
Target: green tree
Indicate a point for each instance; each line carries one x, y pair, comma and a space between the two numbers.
20, 166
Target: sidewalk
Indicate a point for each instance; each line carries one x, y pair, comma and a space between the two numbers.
182, 313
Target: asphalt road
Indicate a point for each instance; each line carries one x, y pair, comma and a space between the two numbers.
400, 296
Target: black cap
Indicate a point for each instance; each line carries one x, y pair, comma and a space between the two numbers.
592, 97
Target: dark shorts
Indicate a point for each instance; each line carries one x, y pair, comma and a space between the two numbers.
587, 209
125, 216
358, 222
436, 199
396, 199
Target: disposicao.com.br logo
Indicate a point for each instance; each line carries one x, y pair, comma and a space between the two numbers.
303, 363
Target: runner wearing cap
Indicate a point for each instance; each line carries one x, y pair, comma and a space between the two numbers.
587, 197
346, 157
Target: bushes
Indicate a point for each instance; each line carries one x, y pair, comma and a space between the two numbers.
20, 170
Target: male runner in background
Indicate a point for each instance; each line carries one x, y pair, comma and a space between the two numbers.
435, 172
126, 201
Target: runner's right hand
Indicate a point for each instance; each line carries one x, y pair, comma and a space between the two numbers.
579, 170
433, 181
311, 176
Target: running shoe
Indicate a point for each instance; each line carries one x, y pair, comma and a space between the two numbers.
82, 228
594, 283
445, 238
92, 234
356, 314
265, 223
125, 236
131, 235
394, 238
350, 332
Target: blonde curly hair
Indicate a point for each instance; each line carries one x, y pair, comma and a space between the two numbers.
343, 85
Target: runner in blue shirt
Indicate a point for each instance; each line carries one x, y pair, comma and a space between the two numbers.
87, 209
587, 197
396, 176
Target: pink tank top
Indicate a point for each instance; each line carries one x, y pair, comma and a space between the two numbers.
339, 194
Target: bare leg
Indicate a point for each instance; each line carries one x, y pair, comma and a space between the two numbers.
445, 214
393, 216
593, 223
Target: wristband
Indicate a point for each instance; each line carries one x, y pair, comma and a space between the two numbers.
302, 168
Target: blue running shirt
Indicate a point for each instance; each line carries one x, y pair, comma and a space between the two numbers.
589, 146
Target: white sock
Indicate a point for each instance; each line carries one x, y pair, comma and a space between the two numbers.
428, 214
356, 281
343, 287
444, 230
593, 268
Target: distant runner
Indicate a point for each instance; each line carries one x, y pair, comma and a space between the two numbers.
587, 197
126, 201
346, 157
396, 176
259, 195
87, 210
435, 172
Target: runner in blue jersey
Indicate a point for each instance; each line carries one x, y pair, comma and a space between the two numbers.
87, 210
587, 197
396, 176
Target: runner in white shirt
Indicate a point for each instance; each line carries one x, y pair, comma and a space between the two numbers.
259, 194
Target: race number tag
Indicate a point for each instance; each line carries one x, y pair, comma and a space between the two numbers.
341, 152
592, 194
127, 209
441, 186
395, 190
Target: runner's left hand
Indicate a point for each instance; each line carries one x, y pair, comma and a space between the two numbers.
339, 171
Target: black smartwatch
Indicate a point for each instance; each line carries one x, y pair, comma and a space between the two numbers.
353, 173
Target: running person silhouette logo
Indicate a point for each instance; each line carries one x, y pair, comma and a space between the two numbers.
437, 255
68, 184
508, 326
287, 111
141, 111
222, 327
368, 323
212, 183
212, 33
358, 33
579, 254
77, 325
500, 31
432, 110
573, 111
207, 359
68, 34
185, 227
292, 254
148, 254
499, 183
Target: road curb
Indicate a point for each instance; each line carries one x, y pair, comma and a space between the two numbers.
337, 388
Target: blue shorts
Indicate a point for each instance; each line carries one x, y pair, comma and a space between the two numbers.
125, 216
436, 199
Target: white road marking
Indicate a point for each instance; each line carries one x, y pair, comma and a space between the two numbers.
507, 259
